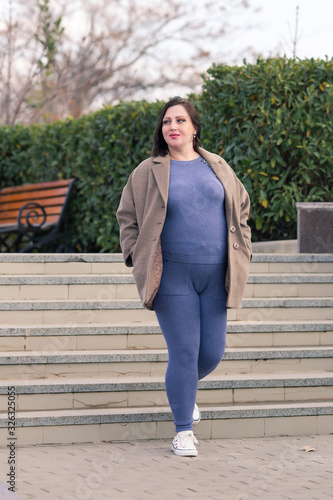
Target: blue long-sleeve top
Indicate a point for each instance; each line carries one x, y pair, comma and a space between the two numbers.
195, 228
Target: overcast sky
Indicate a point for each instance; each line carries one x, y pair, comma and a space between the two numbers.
273, 32
276, 28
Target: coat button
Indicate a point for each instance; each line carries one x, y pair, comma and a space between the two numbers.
236, 246
232, 229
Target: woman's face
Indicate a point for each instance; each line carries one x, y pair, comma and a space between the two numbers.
177, 128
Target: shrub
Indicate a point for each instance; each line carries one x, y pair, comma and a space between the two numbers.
273, 123
99, 150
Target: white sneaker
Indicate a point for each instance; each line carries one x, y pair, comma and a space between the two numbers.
196, 414
184, 444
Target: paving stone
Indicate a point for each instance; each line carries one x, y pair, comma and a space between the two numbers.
230, 469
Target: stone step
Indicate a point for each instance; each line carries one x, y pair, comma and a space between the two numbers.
102, 392
289, 285
122, 286
59, 312
88, 362
218, 421
292, 263
64, 287
39, 264
153, 362
148, 336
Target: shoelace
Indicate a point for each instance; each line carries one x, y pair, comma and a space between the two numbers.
187, 440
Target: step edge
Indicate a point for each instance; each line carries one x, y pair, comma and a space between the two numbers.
41, 388
156, 355
106, 416
135, 304
126, 278
153, 328
117, 257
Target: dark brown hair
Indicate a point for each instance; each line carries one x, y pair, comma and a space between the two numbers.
160, 147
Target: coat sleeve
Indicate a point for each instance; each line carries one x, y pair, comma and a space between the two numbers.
128, 224
244, 215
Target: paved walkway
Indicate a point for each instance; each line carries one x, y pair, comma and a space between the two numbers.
228, 469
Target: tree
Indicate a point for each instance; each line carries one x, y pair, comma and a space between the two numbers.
27, 52
110, 50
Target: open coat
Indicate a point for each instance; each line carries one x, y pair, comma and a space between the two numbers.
141, 215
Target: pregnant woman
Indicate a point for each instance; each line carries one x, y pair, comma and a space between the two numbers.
183, 227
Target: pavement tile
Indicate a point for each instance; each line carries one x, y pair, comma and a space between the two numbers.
232, 469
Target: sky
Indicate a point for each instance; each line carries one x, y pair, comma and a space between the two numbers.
275, 27
276, 21
272, 33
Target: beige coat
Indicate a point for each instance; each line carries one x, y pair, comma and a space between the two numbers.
141, 215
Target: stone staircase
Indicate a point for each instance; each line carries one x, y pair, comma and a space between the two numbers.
88, 362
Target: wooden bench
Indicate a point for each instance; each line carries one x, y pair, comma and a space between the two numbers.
31, 215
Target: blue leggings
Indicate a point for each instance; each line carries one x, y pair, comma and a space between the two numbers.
191, 309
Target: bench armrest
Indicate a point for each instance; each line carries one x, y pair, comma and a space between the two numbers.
31, 216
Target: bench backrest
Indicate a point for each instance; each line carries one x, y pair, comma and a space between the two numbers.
52, 196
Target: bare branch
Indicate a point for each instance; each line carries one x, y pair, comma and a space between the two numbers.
111, 50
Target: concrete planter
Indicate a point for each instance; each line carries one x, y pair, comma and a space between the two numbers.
314, 227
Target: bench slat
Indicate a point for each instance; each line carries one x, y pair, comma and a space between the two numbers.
52, 196
46, 202
33, 195
33, 187
51, 219
13, 214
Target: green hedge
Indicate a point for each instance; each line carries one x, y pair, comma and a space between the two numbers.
99, 150
271, 121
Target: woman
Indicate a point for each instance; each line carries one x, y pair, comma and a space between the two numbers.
183, 226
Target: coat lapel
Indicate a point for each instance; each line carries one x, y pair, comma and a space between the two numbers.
161, 172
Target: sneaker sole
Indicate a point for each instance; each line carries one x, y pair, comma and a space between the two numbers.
184, 453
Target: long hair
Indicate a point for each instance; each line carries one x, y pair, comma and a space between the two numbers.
160, 147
